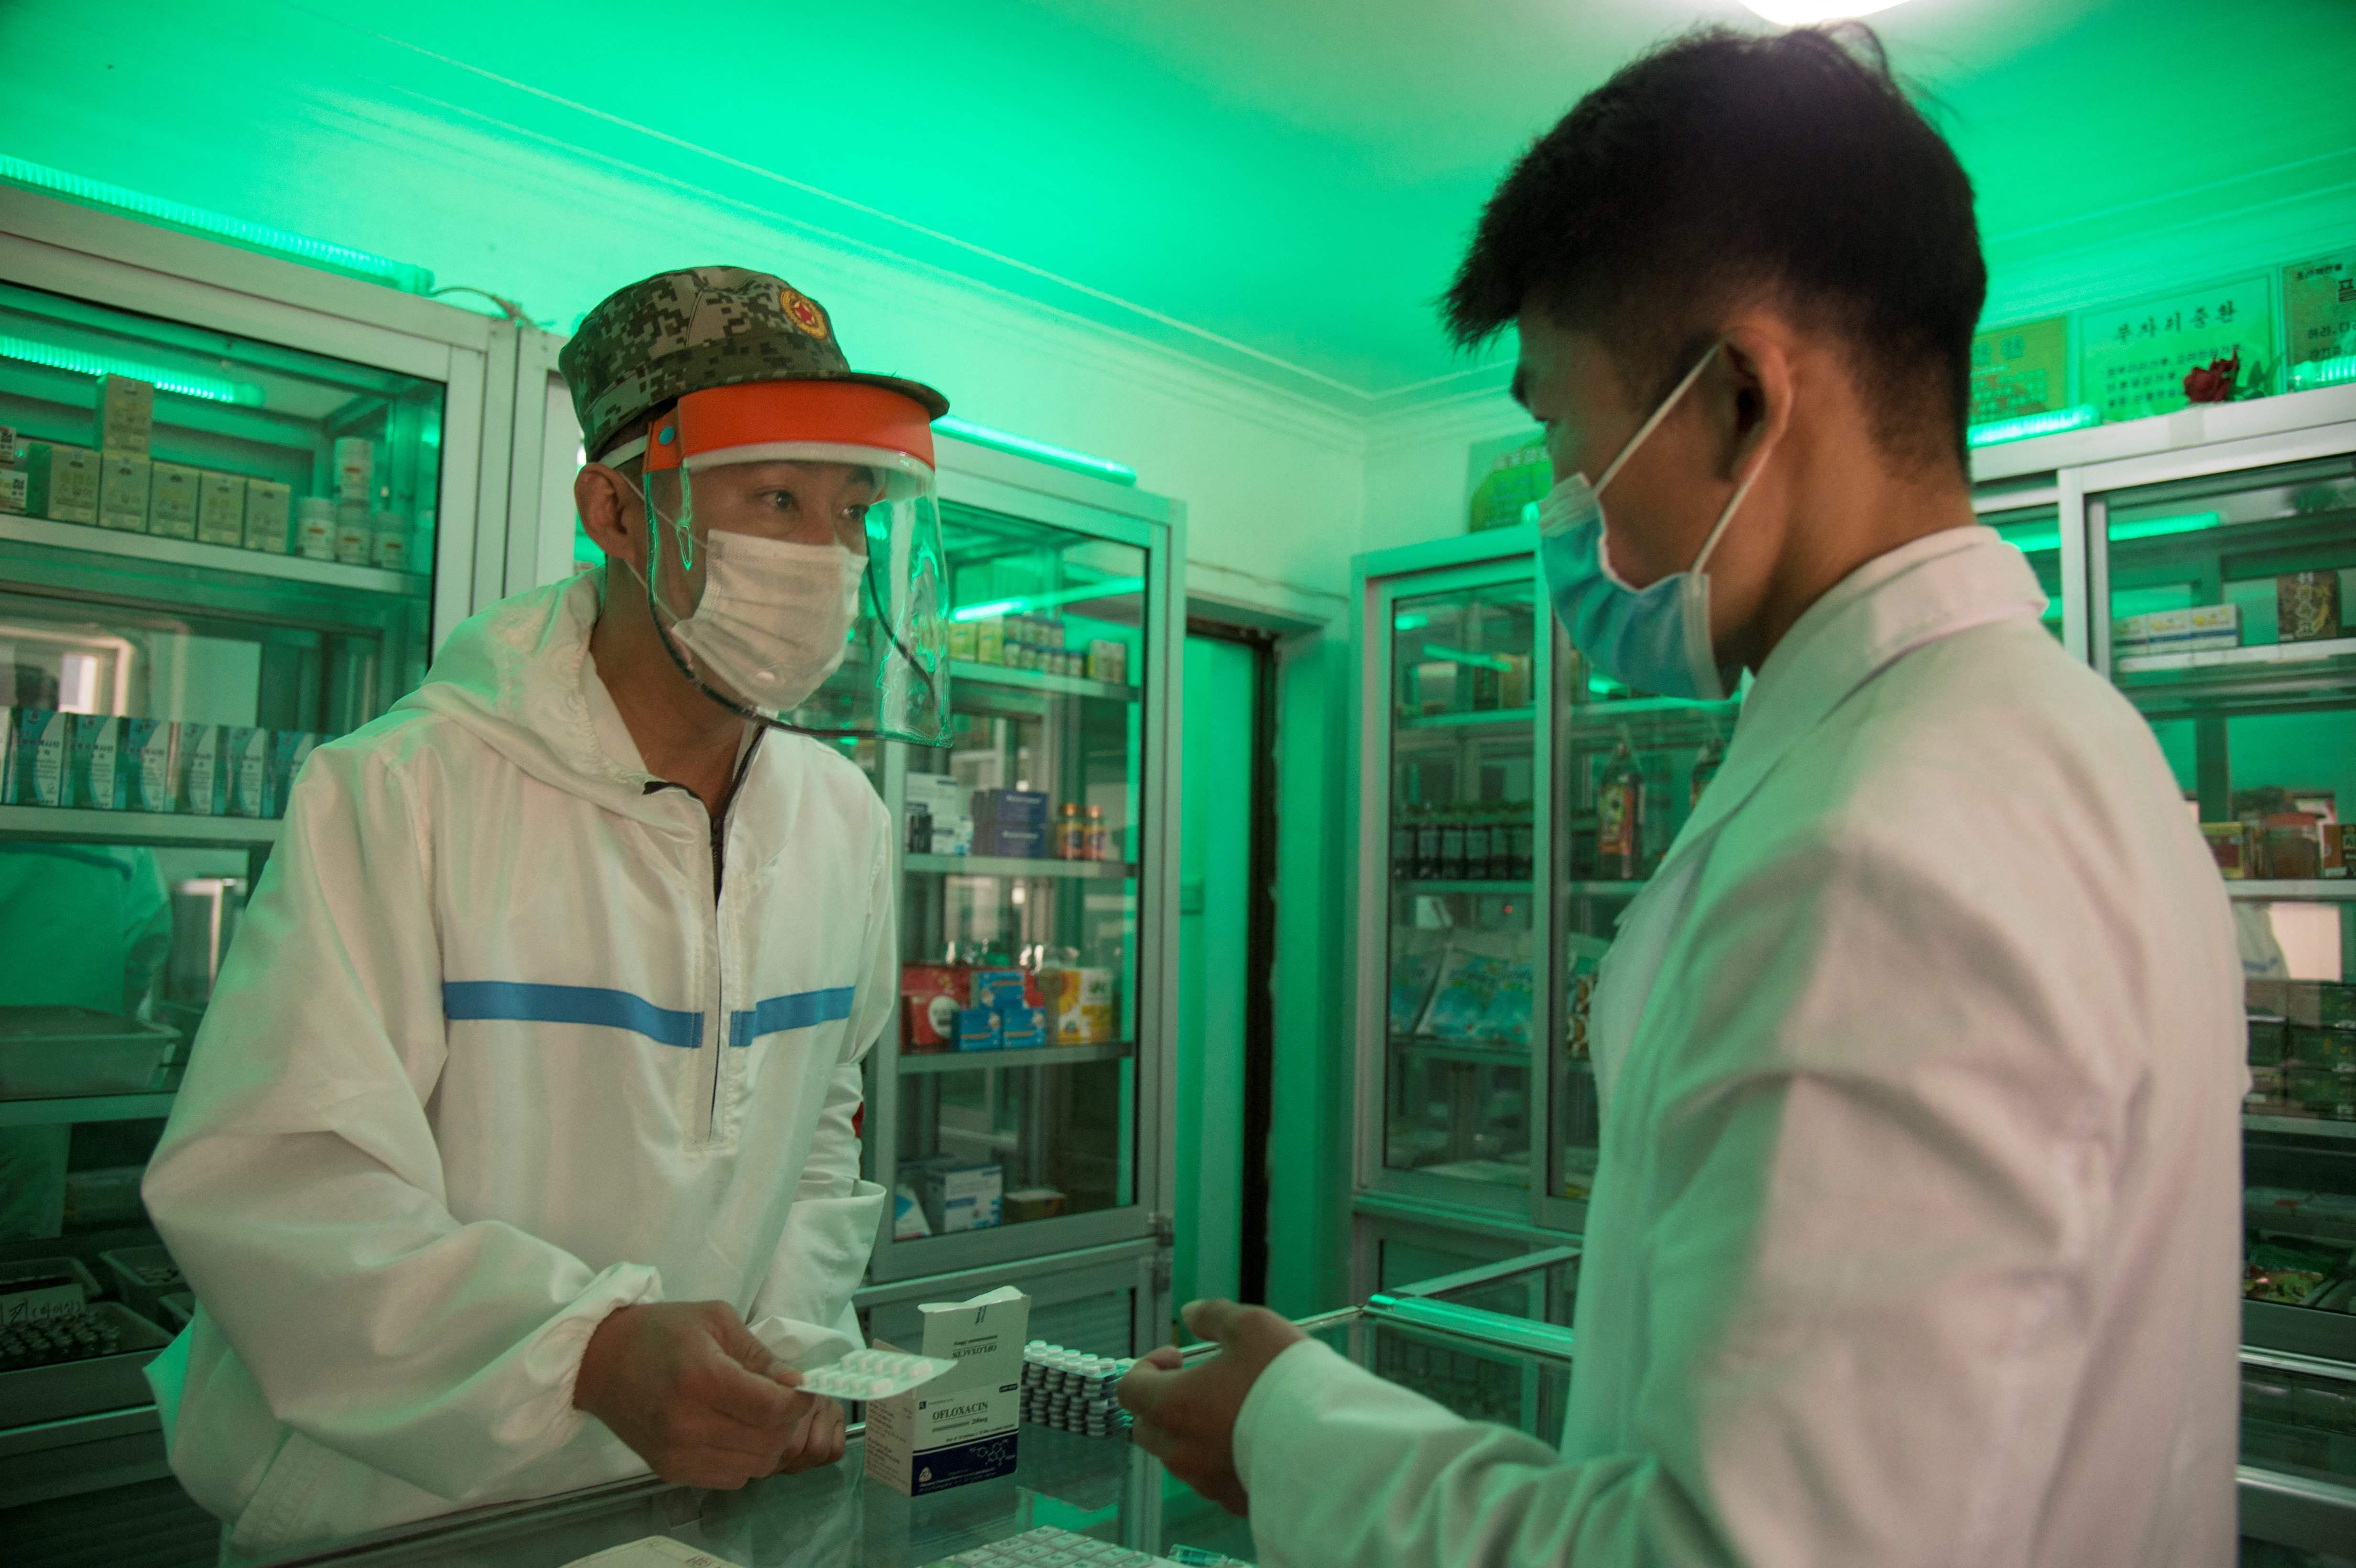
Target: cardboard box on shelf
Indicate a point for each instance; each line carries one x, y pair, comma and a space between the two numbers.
268, 510
16, 490
245, 770
945, 801
2307, 605
1022, 1028
62, 482
2335, 849
220, 509
122, 492
289, 750
976, 1029
41, 755
961, 1427
94, 775
1029, 1204
1011, 824
173, 499
931, 996
962, 1197
1079, 1005
197, 759
2229, 846
143, 764
126, 414
10, 448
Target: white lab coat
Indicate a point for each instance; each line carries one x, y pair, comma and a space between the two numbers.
487, 1061
1916, 1238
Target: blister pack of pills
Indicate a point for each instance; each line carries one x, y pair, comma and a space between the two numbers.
874, 1374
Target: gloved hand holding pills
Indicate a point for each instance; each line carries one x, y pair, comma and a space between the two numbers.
873, 1373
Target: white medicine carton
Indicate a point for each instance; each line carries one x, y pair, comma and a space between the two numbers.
960, 1427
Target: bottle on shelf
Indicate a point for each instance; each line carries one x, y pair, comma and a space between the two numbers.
1403, 827
1099, 836
1071, 833
1522, 830
1620, 817
1427, 843
1477, 838
1452, 845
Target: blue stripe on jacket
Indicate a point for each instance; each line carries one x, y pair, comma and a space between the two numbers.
800, 1010
518, 1001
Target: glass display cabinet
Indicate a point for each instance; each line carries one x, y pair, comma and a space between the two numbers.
1451, 934
1018, 1108
237, 507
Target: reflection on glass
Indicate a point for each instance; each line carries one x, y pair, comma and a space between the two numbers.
2225, 596
1019, 911
1462, 837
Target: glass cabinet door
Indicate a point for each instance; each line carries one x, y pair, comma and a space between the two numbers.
1632, 767
1460, 890
2036, 533
2225, 595
1015, 1071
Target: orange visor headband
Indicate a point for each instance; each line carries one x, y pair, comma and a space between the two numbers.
764, 414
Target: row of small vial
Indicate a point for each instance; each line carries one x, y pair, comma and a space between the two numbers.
1493, 843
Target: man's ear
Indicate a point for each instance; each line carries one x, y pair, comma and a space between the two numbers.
612, 514
1749, 393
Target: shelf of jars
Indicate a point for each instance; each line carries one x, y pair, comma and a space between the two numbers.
969, 672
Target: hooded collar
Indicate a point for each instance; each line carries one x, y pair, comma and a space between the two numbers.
1923, 591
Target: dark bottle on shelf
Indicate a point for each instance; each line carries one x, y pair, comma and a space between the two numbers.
1521, 863
1403, 825
1476, 844
1452, 845
1427, 843
1620, 818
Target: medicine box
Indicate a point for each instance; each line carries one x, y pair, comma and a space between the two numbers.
126, 415
289, 750
143, 768
40, 750
172, 500
245, 770
976, 1029
268, 509
122, 492
16, 490
931, 996
8, 444
94, 777
197, 760
961, 1427
62, 482
1022, 1028
1010, 822
962, 1197
220, 509
946, 799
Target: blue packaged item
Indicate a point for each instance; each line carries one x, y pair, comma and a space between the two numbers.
1023, 1028
1010, 822
144, 770
977, 1030
95, 781
40, 753
1000, 990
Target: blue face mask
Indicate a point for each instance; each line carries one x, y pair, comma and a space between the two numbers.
1654, 638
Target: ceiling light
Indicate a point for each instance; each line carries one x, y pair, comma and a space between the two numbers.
1023, 446
2054, 422
1806, 13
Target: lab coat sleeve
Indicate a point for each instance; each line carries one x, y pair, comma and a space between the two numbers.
299, 1185
804, 1312
1881, 1167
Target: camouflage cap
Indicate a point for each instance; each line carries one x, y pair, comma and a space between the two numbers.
646, 345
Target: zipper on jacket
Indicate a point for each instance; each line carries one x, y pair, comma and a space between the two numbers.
718, 1030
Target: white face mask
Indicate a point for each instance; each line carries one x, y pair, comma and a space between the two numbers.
773, 620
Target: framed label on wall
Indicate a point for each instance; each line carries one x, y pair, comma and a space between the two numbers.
2319, 308
2134, 358
1504, 476
2023, 368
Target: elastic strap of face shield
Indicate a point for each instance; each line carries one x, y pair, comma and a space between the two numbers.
707, 425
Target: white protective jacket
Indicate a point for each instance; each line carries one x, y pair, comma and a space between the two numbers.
489, 1059
1916, 1234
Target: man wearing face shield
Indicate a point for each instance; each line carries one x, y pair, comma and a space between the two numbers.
519, 1149
1915, 1235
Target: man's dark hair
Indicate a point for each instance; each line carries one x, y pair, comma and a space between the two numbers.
1721, 170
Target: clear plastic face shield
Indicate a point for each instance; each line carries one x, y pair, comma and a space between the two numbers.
794, 561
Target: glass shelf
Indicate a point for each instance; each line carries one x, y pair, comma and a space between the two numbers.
214, 556
66, 825
1018, 867
993, 1060
1039, 680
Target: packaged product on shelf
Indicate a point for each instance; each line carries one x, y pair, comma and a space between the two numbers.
1100, 835
173, 497
2266, 1096
352, 536
389, 540
289, 750
126, 414
314, 527
1620, 817
2307, 605
1027, 1203
16, 490
2229, 846
963, 642
1468, 985
931, 997
2267, 1037
2323, 1049
908, 1223
944, 800
961, 1427
199, 758
1513, 682
1010, 822
1077, 1004
1108, 662
2335, 849
143, 764
220, 509
355, 459
1506, 1019
1004, 990
62, 482
1452, 846
1022, 1028
962, 1197
1071, 833
2290, 846
93, 774
40, 753
976, 1029
268, 510
8, 444
2318, 1004
2323, 1091
990, 641
245, 771
122, 494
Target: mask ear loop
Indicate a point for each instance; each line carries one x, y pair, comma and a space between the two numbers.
1659, 415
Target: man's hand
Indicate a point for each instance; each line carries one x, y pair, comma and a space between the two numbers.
1186, 1418
702, 1400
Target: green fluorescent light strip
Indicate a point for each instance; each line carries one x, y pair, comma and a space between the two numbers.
2030, 537
1022, 605
1411, 622
212, 390
2048, 423
2323, 373
2162, 528
1458, 655
1023, 446
256, 236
